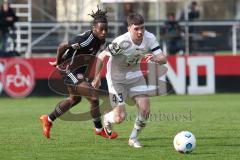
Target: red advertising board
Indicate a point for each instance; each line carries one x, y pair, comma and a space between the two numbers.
18, 75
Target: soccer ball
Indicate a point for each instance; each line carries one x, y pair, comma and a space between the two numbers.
184, 142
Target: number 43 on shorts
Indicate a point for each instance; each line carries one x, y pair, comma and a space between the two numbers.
118, 98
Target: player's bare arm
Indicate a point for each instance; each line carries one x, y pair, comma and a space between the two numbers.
160, 58
60, 52
99, 64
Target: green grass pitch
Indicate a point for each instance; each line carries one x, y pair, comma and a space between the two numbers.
213, 119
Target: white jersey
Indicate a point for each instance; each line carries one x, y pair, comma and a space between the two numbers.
124, 67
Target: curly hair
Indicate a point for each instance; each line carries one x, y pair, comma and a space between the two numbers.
99, 16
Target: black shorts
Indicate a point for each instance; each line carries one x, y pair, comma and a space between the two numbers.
72, 76
73, 79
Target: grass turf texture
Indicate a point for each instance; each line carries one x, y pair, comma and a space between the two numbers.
213, 119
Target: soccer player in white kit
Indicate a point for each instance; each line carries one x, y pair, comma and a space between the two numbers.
124, 76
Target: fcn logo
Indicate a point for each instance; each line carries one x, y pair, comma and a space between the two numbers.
18, 78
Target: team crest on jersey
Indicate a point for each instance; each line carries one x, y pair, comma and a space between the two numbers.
125, 44
80, 76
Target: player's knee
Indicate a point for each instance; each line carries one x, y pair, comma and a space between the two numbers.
94, 103
74, 100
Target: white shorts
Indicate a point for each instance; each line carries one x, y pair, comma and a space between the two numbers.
118, 92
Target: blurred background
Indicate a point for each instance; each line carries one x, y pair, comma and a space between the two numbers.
43, 24
202, 28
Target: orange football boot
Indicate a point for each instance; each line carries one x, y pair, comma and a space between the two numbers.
105, 134
46, 125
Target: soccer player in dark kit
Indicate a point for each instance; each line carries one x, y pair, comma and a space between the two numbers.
86, 44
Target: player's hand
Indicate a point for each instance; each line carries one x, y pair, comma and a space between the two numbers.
96, 83
54, 64
149, 57
161, 59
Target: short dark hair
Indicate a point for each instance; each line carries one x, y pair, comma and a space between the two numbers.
99, 16
135, 18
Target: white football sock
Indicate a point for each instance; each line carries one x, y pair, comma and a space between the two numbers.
49, 120
98, 129
138, 126
109, 117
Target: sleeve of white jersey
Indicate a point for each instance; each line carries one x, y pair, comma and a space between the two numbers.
154, 46
117, 41
107, 52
